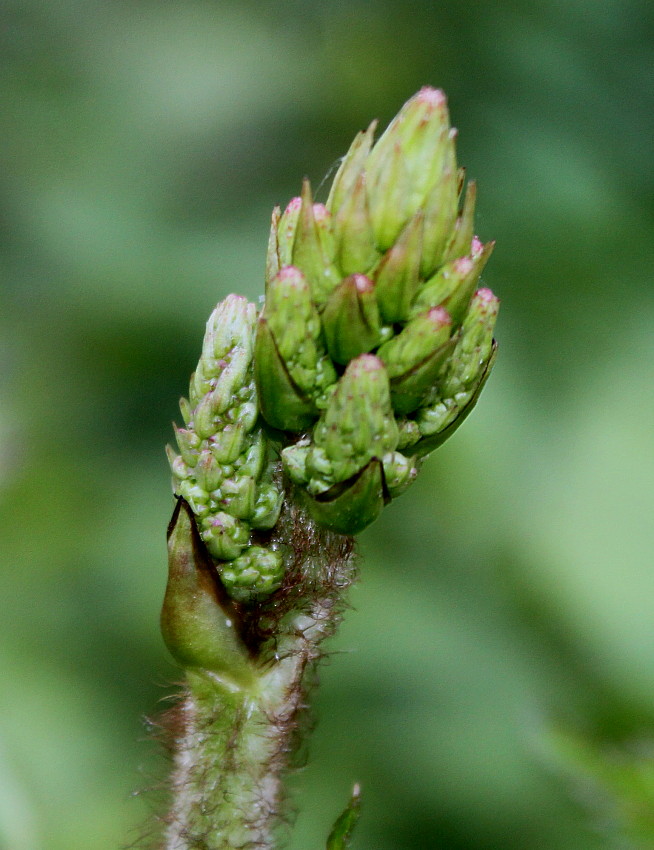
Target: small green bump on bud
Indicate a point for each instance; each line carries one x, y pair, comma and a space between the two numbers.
286, 232
272, 257
224, 535
311, 246
351, 319
397, 277
177, 465
267, 507
409, 433
238, 496
255, 458
399, 473
461, 239
227, 445
350, 506
294, 460
188, 443
414, 358
356, 250
207, 471
197, 498
198, 623
186, 410
350, 169
254, 575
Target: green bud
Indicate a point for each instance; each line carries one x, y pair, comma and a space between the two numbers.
179, 469
291, 367
454, 283
313, 247
224, 535
283, 404
198, 622
397, 277
228, 338
350, 169
389, 194
294, 460
207, 471
267, 506
351, 319
407, 163
254, 575
414, 358
186, 410
286, 233
461, 239
358, 423
341, 833
474, 345
228, 482
196, 496
272, 257
227, 445
463, 376
409, 433
440, 211
238, 496
399, 473
353, 231
253, 461
189, 444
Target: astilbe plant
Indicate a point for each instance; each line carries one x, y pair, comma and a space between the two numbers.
303, 420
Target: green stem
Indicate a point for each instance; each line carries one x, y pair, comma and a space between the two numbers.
233, 739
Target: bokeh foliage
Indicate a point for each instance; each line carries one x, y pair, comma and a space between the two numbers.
494, 685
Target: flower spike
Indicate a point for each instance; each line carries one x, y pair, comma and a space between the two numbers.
371, 348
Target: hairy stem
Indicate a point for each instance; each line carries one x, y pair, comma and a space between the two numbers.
233, 739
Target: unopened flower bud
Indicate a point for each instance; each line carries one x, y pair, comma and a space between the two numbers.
314, 248
286, 228
463, 376
291, 365
356, 250
351, 319
454, 283
414, 357
253, 575
397, 277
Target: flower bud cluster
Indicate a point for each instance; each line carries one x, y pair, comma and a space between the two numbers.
224, 469
375, 341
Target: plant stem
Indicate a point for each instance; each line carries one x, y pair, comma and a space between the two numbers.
233, 740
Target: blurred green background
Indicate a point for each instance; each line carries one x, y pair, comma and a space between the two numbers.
493, 686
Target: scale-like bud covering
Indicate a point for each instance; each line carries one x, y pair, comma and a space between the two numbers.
225, 466
374, 342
